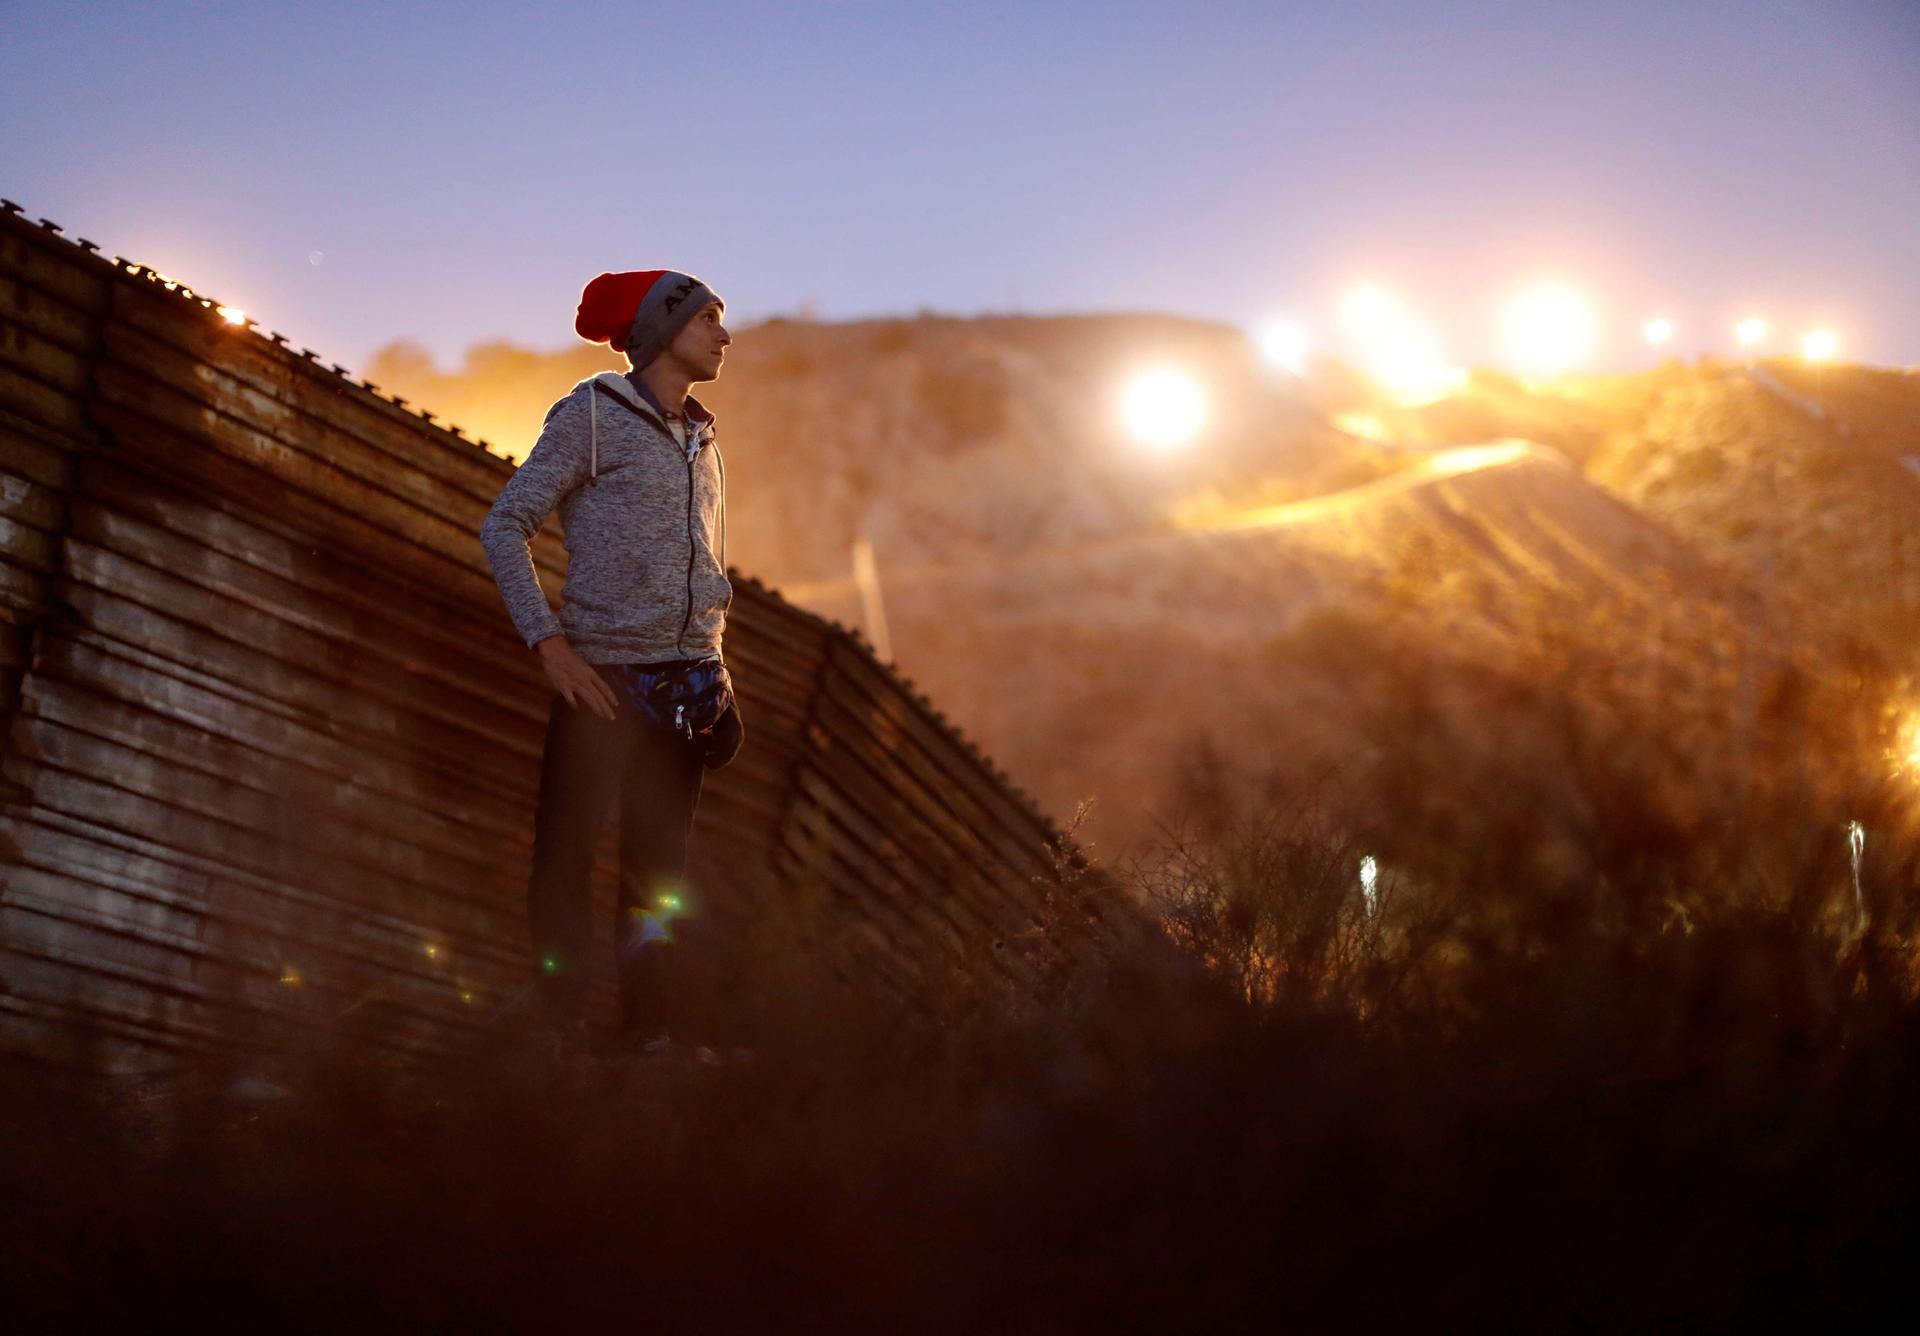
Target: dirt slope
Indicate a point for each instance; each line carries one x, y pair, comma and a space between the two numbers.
1092, 611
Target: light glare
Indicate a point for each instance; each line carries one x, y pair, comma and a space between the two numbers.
1906, 748
1819, 345
1285, 345
1366, 426
1408, 362
1398, 350
1370, 309
1164, 408
1750, 331
1659, 331
1549, 329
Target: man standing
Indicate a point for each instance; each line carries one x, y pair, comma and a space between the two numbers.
630, 462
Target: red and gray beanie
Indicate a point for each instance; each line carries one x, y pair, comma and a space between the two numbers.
639, 311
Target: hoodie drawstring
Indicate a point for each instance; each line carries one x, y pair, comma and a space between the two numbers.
593, 476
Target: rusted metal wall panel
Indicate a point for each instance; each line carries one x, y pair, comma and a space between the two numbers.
272, 745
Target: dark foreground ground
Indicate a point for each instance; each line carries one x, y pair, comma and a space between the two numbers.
1627, 1143
1711, 1127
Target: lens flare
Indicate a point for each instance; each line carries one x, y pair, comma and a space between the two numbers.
652, 926
1750, 331
1658, 331
1164, 408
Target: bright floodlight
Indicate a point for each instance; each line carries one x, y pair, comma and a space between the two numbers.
1658, 330
1285, 345
233, 315
1750, 331
1819, 345
1549, 329
1370, 309
1409, 364
1164, 408
1396, 348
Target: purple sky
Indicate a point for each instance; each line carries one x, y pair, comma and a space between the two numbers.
351, 174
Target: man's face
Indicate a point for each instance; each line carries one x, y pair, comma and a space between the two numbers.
701, 344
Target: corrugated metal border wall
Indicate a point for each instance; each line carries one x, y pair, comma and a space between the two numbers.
271, 744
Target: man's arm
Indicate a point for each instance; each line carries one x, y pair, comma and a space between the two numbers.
555, 466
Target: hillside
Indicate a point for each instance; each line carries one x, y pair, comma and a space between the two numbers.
937, 438
1271, 597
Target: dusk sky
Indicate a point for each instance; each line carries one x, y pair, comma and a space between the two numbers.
352, 174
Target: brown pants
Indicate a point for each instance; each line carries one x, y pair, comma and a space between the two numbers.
589, 766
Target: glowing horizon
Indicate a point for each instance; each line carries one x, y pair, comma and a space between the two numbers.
1447, 153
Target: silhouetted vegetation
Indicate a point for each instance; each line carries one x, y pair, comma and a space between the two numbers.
1576, 1062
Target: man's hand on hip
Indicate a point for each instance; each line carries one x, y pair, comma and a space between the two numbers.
575, 678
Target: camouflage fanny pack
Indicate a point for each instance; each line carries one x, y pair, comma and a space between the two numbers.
687, 698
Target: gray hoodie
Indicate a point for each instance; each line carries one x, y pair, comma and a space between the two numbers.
638, 515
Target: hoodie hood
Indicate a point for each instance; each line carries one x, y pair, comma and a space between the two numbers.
634, 393
633, 390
